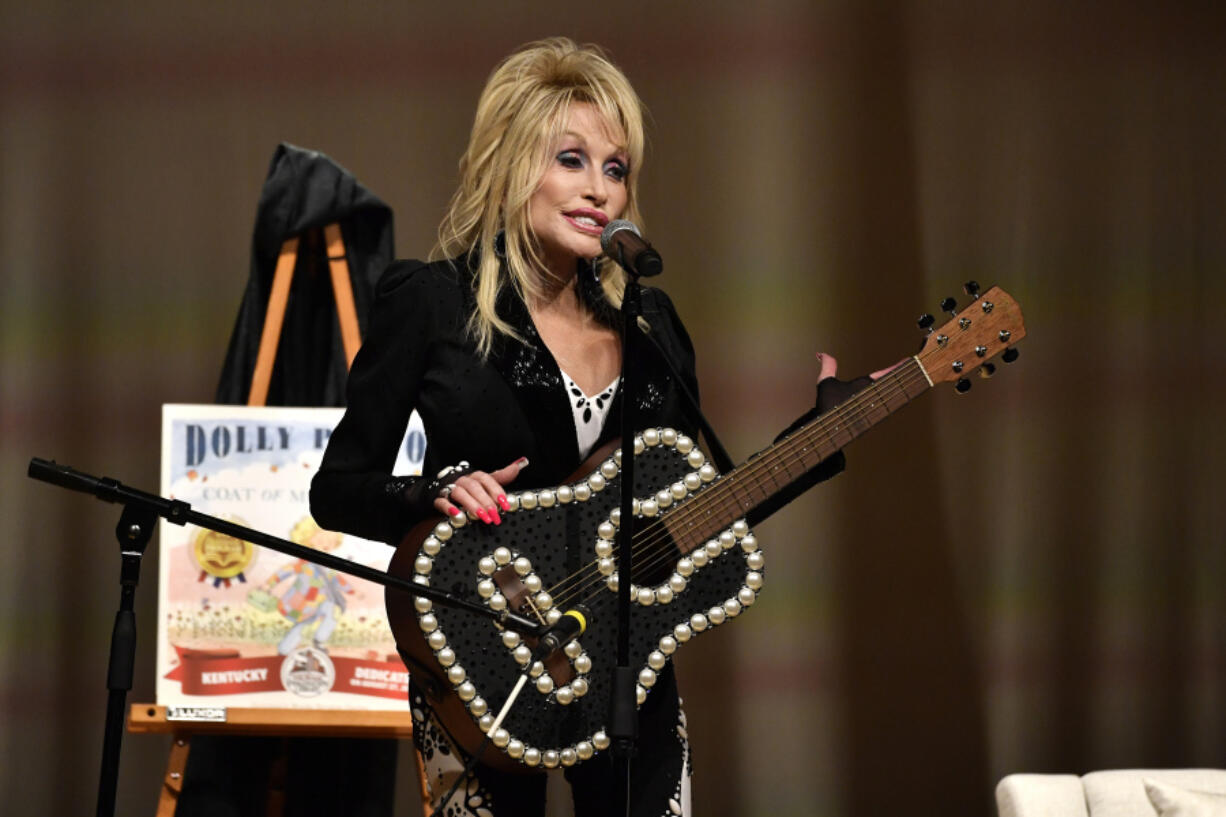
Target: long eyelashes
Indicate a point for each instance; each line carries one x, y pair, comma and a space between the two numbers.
617, 170
574, 160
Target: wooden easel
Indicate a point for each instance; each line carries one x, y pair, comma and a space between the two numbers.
151, 719
331, 723
278, 298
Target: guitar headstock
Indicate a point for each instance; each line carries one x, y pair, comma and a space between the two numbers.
987, 328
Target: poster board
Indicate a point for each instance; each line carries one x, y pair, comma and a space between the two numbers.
244, 626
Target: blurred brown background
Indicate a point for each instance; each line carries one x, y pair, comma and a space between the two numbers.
1025, 578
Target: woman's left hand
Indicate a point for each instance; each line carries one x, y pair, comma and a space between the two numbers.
481, 493
830, 367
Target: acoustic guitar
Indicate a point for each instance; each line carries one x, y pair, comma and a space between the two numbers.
697, 565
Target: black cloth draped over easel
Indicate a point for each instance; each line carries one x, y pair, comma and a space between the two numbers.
303, 192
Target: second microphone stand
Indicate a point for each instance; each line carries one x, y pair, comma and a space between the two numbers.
136, 524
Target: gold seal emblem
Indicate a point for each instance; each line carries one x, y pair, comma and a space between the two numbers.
221, 556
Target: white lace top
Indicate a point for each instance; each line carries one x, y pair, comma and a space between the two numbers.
590, 411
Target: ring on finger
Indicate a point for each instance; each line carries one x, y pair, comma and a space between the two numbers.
445, 491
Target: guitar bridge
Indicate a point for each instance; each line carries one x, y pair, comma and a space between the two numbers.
519, 599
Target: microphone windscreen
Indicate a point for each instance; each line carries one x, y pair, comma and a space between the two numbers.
613, 227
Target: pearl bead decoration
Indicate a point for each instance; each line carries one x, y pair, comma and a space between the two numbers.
658, 504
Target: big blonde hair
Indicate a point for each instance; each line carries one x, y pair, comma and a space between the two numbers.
521, 114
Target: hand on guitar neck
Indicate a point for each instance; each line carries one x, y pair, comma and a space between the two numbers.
831, 391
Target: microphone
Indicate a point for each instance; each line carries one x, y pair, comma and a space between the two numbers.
623, 242
65, 477
107, 489
572, 624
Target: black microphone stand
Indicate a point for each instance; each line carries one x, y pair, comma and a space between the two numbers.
140, 512
133, 531
623, 705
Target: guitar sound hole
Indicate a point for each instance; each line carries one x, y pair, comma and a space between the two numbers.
654, 563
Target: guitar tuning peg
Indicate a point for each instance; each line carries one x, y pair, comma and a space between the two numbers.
1010, 355
971, 288
962, 386
987, 370
950, 305
925, 323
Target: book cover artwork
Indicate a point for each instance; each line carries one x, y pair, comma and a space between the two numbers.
240, 625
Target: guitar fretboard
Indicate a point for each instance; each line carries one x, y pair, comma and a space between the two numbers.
773, 469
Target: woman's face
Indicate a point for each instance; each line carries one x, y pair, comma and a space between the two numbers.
583, 189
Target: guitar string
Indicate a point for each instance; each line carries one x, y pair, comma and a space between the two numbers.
761, 478
655, 534
787, 452
599, 599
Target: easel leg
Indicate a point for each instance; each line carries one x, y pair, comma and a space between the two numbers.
278, 774
423, 782
172, 785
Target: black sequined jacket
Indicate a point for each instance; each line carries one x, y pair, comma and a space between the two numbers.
418, 355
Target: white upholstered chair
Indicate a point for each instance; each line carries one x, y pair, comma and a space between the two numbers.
1115, 793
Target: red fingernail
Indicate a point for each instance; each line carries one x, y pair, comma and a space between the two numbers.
453, 510
502, 502
484, 515
495, 517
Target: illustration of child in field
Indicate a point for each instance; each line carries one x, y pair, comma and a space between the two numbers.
316, 595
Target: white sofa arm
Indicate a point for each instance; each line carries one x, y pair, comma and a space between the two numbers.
1112, 793
1041, 795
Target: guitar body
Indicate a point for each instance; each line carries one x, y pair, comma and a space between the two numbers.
696, 564
684, 586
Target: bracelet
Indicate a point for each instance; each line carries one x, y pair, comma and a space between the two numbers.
459, 469
444, 482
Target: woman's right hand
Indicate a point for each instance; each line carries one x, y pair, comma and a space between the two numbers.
480, 493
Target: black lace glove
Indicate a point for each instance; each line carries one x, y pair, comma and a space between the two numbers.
419, 493
830, 393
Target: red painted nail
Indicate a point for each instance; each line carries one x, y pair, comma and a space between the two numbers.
484, 515
502, 502
453, 510
497, 520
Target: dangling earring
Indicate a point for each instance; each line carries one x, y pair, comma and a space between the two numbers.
591, 266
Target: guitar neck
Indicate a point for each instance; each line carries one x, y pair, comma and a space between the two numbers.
773, 469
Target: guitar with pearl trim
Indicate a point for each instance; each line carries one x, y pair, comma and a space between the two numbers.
697, 564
